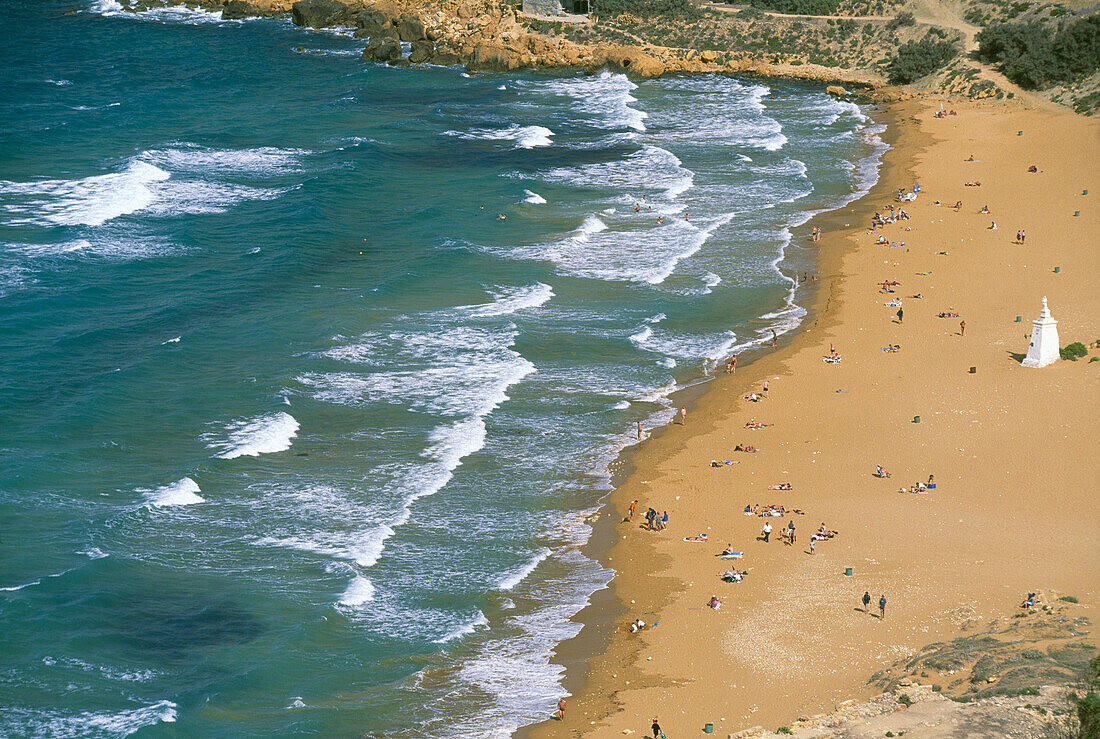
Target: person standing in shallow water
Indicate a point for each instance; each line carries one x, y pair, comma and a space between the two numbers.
561, 709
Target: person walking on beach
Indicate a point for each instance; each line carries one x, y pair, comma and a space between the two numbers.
561, 709
633, 505
900, 314
962, 328
765, 388
775, 339
767, 530
813, 540
683, 416
882, 607
866, 601
731, 366
656, 729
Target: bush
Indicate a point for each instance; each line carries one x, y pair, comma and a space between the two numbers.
798, 7
917, 59
1068, 598
937, 688
1073, 351
678, 9
784, 730
905, 700
1088, 713
1034, 56
904, 18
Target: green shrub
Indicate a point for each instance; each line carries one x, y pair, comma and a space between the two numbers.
1035, 56
1073, 351
798, 7
1088, 713
751, 14
784, 730
677, 9
1069, 598
916, 59
905, 700
904, 18
937, 688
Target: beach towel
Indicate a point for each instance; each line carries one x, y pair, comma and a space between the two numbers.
735, 555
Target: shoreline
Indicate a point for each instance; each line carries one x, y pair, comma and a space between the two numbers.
606, 608
614, 678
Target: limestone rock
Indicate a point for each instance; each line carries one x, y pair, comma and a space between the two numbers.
237, 9
372, 22
836, 90
422, 51
382, 50
491, 59
633, 61
709, 56
411, 28
319, 13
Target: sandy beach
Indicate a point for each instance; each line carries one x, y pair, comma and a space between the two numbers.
1012, 449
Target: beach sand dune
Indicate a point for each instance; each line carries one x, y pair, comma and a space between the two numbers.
1012, 449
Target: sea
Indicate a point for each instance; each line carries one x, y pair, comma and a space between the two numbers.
311, 369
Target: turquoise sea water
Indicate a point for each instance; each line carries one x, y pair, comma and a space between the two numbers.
297, 436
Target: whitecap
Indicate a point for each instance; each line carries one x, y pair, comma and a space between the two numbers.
470, 627
61, 725
524, 137
94, 553
179, 493
266, 434
510, 300
533, 197
90, 201
359, 591
515, 578
171, 341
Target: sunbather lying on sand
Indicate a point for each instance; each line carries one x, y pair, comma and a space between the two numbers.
752, 397
728, 551
781, 486
716, 463
733, 576
947, 314
698, 539
881, 471
834, 359
636, 626
892, 348
752, 423
745, 448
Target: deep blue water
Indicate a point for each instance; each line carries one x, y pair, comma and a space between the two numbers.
297, 434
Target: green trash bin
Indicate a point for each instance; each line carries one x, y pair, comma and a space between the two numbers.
708, 729
847, 571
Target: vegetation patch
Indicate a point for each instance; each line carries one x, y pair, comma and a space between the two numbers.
1035, 56
917, 59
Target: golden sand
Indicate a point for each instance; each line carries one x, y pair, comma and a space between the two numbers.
1014, 450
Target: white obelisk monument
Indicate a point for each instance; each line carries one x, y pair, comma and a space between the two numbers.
1043, 349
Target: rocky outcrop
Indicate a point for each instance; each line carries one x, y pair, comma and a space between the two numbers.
491, 59
411, 28
836, 90
630, 60
319, 13
422, 51
237, 9
382, 50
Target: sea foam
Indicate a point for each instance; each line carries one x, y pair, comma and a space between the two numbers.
266, 434
181, 492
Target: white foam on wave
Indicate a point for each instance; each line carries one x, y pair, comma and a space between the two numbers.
90, 201
524, 137
172, 341
478, 622
181, 179
651, 169
195, 159
510, 300
604, 97
359, 592
266, 434
60, 83
172, 14
94, 553
592, 225
109, 672
181, 492
513, 579
533, 198
60, 725
710, 280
